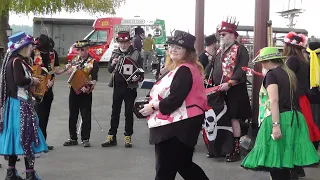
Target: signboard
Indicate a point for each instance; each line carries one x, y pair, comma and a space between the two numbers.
136, 22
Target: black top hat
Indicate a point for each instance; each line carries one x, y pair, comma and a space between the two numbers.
82, 43
184, 39
123, 36
43, 42
209, 40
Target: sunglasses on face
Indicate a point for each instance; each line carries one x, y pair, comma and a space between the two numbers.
223, 34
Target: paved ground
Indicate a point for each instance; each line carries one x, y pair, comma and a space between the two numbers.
116, 163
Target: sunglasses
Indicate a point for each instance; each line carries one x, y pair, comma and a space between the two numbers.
223, 34
80, 49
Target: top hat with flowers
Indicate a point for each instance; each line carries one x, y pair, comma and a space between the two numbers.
230, 26
19, 41
296, 40
183, 39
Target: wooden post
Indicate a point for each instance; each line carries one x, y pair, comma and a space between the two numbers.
262, 8
199, 26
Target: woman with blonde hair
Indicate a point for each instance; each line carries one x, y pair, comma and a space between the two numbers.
175, 112
283, 140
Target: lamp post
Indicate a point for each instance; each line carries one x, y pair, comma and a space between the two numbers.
9, 31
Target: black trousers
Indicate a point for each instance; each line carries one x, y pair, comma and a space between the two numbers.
173, 156
82, 103
128, 95
43, 111
280, 174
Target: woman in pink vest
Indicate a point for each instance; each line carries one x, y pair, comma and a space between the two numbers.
176, 111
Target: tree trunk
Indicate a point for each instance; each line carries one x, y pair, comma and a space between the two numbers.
4, 24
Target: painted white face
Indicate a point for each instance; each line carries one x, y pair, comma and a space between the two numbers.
124, 46
176, 52
29, 50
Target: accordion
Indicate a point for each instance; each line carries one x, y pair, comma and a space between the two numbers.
77, 80
129, 69
39, 90
138, 105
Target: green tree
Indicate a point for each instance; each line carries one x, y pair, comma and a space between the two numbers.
40, 7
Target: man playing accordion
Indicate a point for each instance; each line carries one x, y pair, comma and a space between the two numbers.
83, 78
125, 66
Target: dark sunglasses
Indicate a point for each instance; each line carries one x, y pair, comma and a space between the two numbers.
223, 34
80, 49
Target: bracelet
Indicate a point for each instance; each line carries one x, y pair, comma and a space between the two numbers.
229, 84
275, 123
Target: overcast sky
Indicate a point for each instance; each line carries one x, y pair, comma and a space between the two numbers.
179, 14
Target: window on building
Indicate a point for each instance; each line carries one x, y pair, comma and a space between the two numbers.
99, 36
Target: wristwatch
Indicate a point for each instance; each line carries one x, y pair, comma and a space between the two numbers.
152, 106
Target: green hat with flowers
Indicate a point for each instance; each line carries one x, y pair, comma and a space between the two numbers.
269, 53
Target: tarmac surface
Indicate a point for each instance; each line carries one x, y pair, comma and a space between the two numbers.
116, 163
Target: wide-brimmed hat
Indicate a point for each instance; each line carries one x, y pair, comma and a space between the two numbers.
269, 53
296, 40
123, 36
230, 26
42, 42
19, 41
209, 40
82, 43
183, 39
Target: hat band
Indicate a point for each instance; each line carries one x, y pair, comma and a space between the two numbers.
271, 56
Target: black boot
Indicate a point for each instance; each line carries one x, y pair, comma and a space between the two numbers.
111, 141
235, 155
12, 174
32, 176
70, 142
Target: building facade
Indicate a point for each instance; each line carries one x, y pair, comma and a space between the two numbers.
64, 32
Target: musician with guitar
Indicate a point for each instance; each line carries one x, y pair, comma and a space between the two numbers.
46, 59
83, 78
125, 66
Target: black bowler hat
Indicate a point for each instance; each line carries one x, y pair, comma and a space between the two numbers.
82, 44
209, 40
184, 39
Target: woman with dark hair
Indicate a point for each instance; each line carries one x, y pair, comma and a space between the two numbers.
176, 111
20, 133
283, 140
296, 61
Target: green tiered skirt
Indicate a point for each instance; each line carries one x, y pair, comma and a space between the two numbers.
293, 149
